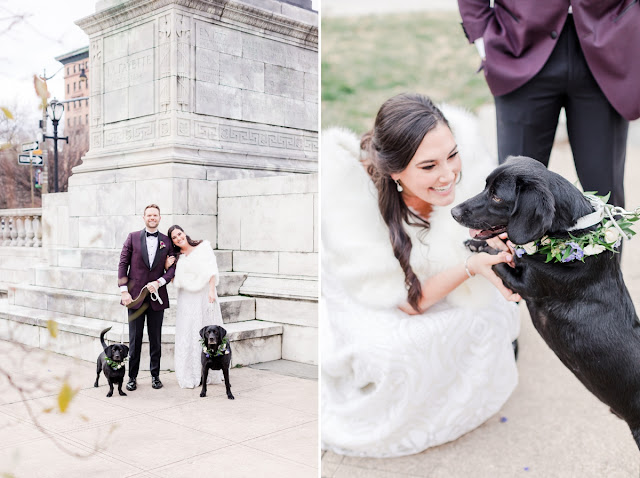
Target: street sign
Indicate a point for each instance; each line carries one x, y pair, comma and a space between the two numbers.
32, 146
26, 159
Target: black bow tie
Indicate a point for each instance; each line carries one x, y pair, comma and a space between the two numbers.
154, 234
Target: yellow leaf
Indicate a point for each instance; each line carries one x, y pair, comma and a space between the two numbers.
84, 418
48, 410
6, 112
41, 87
5, 146
8, 475
65, 396
52, 325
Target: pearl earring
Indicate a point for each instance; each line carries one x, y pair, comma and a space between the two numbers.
399, 186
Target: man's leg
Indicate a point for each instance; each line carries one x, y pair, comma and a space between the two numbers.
154, 328
597, 132
527, 118
136, 327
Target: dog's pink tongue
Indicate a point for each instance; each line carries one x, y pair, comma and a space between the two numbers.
474, 232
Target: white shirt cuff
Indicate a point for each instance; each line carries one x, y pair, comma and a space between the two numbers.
124, 288
479, 43
161, 281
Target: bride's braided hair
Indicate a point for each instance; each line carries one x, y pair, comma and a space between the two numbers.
400, 125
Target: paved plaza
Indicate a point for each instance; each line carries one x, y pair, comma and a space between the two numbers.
269, 430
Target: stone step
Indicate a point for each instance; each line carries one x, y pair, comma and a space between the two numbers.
105, 281
107, 306
108, 259
252, 341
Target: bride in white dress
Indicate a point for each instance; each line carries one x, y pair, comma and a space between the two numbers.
416, 351
196, 280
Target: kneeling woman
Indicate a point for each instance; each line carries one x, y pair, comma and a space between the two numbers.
416, 330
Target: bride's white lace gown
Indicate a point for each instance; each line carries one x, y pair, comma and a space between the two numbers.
394, 384
194, 312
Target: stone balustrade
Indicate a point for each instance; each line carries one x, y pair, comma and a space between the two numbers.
21, 227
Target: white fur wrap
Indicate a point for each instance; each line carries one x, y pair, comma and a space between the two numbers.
194, 271
355, 240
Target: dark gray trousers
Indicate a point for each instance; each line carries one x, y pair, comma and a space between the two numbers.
527, 119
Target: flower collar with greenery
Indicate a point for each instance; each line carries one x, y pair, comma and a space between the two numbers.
607, 236
113, 364
221, 350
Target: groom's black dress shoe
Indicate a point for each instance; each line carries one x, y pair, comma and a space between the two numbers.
131, 386
155, 382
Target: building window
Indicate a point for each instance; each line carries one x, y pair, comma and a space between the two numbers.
74, 86
68, 88
86, 102
68, 122
74, 68
67, 71
86, 119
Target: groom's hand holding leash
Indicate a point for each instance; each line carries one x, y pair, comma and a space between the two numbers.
153, 286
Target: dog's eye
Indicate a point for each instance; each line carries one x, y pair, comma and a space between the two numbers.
496, 199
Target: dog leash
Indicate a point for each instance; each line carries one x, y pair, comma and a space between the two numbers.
143, 293
603, 209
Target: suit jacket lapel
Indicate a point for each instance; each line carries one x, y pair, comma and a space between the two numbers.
143, 246
156, 258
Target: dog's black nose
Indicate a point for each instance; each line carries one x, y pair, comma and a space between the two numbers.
457, 213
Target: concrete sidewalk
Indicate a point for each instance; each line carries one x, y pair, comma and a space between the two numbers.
269, 430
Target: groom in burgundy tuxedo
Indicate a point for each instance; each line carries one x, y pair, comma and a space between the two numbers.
142, 265
580, 55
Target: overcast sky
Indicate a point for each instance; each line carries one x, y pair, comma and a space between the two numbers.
30, 45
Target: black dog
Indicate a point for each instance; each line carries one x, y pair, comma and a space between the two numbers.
216, 357
111, 362
581, 309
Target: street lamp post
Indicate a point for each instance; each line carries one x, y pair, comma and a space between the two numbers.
55, 112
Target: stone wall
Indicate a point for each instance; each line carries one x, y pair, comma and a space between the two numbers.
271, 225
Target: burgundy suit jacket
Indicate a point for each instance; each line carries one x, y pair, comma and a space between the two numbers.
519, 36
134, 269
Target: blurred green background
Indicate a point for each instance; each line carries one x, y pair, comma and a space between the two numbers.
366, 60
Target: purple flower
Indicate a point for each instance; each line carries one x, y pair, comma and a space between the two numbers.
519, 252
618, 242
570, 257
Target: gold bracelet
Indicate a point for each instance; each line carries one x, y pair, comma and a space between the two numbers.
466, 267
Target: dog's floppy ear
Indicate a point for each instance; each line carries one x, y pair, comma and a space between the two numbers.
532, 213
223, 332
126, 350
202, 331
109, 351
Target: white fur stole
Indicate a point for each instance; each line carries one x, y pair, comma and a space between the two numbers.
194, 271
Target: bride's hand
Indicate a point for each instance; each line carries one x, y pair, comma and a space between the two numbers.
212, 296
498, 242
481, 264
169, 261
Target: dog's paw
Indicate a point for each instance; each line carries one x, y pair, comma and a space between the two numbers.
110, 394
122, 394
230, 396
95, 384
203, 394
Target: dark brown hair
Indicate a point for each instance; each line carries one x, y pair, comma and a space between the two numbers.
401, 124
149, 206
175, 250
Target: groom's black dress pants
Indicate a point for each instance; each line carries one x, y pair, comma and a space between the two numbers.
154, 328
527, 119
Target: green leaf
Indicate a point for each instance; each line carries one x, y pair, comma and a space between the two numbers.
65, 396
6, 112
52, 325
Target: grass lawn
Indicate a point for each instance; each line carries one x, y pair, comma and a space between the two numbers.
366, 60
